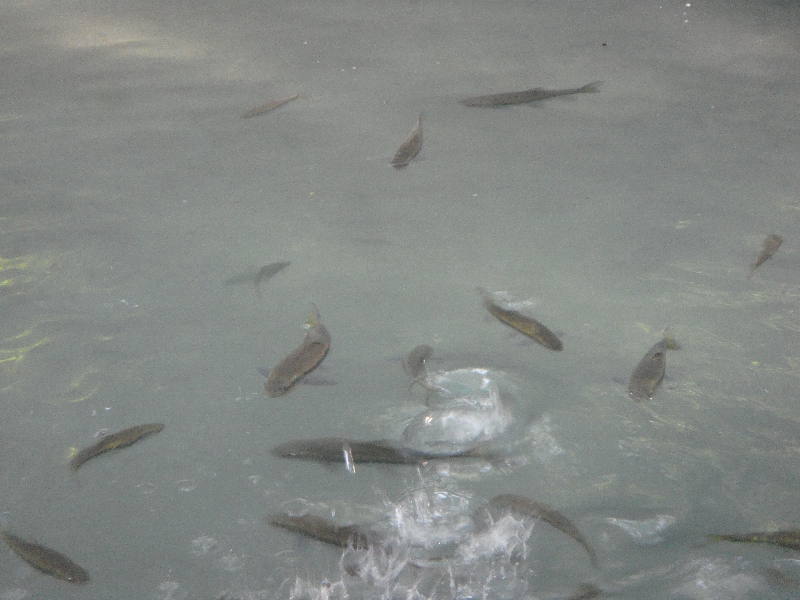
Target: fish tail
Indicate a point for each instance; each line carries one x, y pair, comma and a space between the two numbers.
314, 318
590, 88
592, 555
669, 339
486, 296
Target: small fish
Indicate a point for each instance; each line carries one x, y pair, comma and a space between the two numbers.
269, 107
258, 277
789, 538
493, 100
527, 325
330, 450
301, 361
410, 146
414, 361
648, 373
527, 507
768, 248
323, 530
121, 439
46, 560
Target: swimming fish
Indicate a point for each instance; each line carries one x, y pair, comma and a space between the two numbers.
506, 99
323, 530
789, 538
768, 248
121, 439
410, 146
527, 507
269, 107
648, 373
527, 325
258, 277
332, 450
46, 560
414, 361
301, 361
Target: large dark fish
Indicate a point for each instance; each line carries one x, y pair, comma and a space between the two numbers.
789, 538
323, 530
527, 507
258, 277
493, 100
414, 361
332, 450
648, 373
768, 248
46, 560
121, 439
524, 324
301, 361
410, 146
268, 107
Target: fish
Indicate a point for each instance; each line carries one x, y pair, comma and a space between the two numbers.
120, 439
527, 507
768, 248
323, 530
789, 538
258, 277
301, 361
269, 106
414, 361
410, 146
332, 450
46, 560
536, 94
524, 324
649, 372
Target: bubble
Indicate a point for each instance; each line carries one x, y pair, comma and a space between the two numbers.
186, 485
146, 488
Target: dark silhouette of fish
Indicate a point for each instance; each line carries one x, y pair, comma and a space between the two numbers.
414, 361
528, 508
121, 439
789, 538
256, 278
534, 95
45, 560
323, 530
301, 361
768, 249
331, 450
269, 107
410, 146
648, 373
522, 323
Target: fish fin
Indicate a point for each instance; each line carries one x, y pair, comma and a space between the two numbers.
591, 88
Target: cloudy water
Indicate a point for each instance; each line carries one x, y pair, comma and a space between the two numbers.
133, 189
